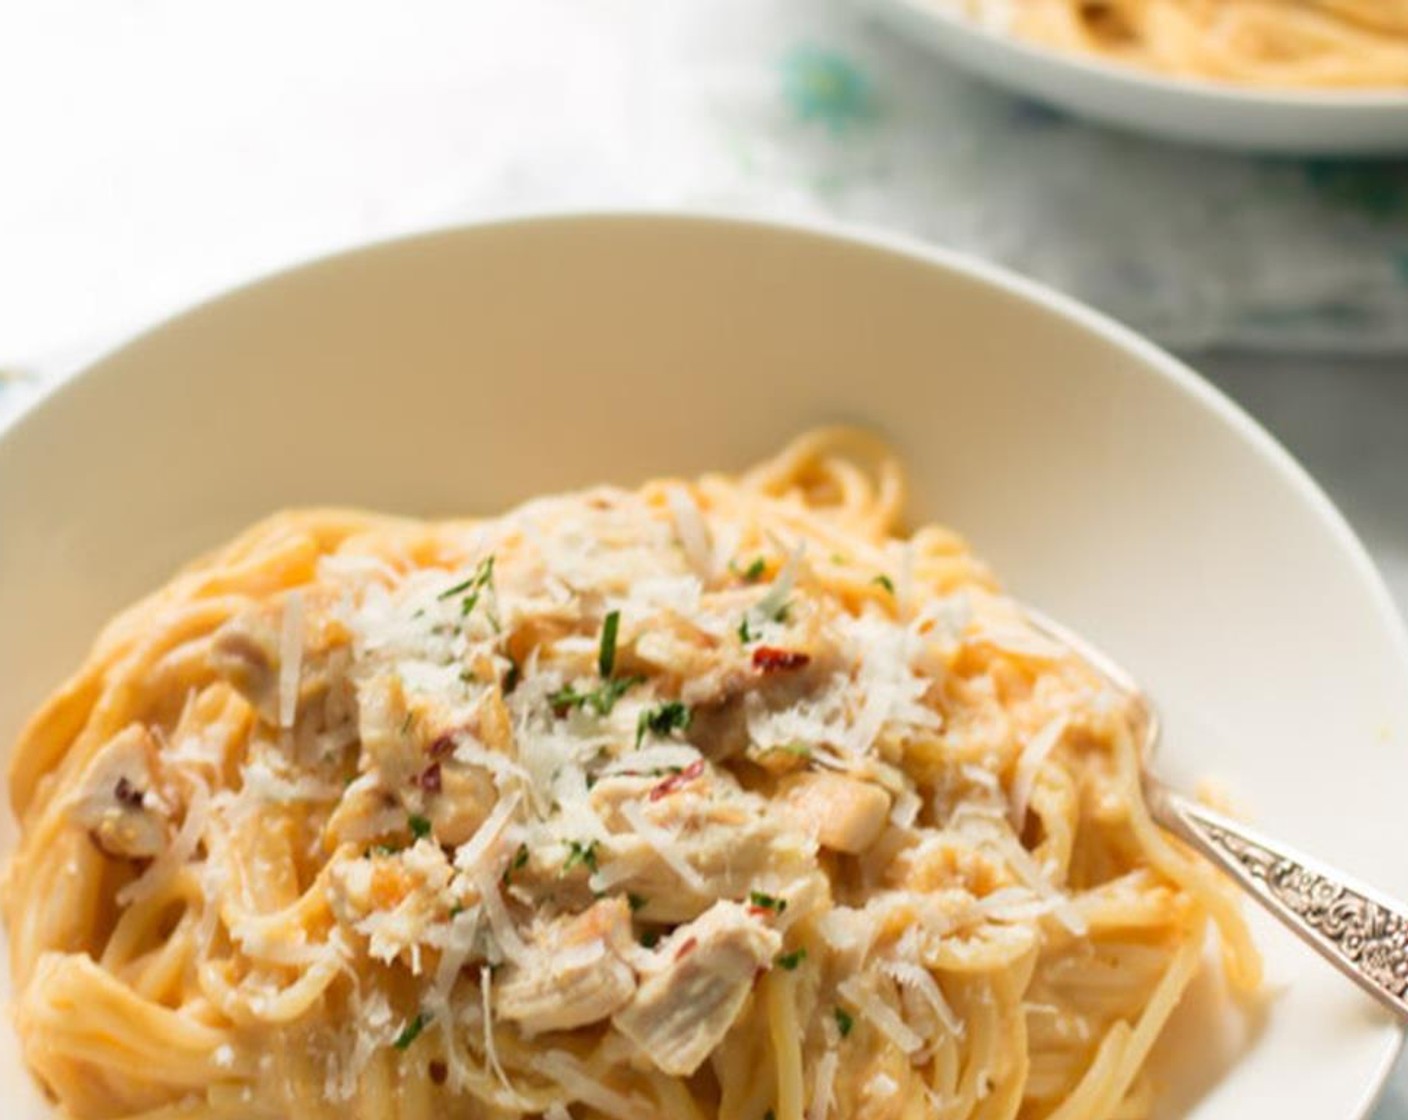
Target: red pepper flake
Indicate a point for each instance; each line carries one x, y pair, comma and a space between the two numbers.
430, 778
443, 746
127, 794
770, 659
688, 947
678, 781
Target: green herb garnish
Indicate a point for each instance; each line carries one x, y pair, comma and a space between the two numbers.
606, 658
512, 677
411, 1031
767, 902
791, 960
844, 1021
650, 938
662, 719
420, 826
520, 861
886, 582
753, 572
579, 853
600, 699
745, 633
636, 901
472, 587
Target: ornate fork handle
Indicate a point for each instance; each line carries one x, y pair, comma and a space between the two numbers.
1356, 929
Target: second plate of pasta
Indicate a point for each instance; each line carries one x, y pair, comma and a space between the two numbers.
1255, 75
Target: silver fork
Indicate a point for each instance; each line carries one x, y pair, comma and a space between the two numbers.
1361, 932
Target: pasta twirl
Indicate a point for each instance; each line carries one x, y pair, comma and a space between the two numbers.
717, 799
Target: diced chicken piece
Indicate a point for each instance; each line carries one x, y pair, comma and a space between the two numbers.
245, 651
576, 975
729, 838
388, 742
458, 801
847, 814
115, 799
682, 1011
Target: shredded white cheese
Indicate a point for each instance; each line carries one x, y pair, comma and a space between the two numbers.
1035, 752
290, 658
666, 846
855, 991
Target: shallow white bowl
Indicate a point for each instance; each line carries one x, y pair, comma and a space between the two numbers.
1290, 122
465, 370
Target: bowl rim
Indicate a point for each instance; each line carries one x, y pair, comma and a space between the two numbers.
1034, 295
1213, 94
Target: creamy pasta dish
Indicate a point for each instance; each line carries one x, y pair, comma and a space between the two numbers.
721, 798
1286, 43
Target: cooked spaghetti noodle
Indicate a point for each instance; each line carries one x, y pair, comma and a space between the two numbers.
714, 799
1275, 43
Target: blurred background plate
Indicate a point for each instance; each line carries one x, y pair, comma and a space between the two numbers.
1288, 122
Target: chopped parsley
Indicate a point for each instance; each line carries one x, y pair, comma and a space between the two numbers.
606, 658
520, 861
791, 960
753, 572
420, 826
512, 677
886, 582
745, 633
662, 719
767, 902
471, 588
650, 938
600, 699
580, 854
844, 1021
636, 901
411, 1031
457, 909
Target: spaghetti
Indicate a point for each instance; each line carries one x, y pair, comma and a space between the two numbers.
1273, 43
714, 799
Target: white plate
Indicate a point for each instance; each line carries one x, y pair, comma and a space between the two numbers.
1292, 122
466, 370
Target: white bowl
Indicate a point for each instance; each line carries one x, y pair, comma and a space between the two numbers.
1291, 122
468, 369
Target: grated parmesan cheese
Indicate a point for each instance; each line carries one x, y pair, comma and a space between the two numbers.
921, 981
666, 846
290, 658
881, 1015
693, 532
